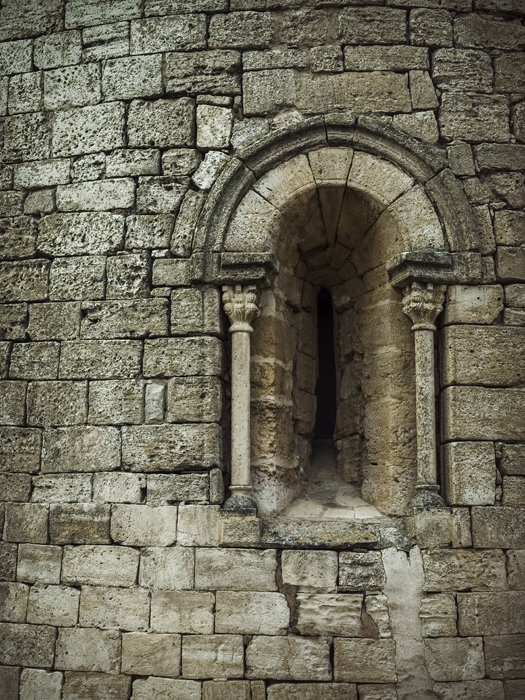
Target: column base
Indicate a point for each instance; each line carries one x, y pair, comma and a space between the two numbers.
427, 498
240, 505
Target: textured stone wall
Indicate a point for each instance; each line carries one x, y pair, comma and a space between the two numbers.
120, 575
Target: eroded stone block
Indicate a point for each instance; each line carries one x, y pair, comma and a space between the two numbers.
168, 569
151, 654
364, 660
251, 613
186, 612
143, 525
302, 658
455, 659
53, 605
235, 569
218, 655
483, 613
112, 607
27, 645
100, 565
88, 649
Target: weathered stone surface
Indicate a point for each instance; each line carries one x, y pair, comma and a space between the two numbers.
119, 487
154, 688
510, 263
95, 685
361, 571
105, 41
462, 69
481, 413
13, 602
80, 13
470, 469
311, 691
88, 650
513, 490
194, 399
25, 522
80, 233
178, 32
118, 193
134, 76
168, 569
89, 129
142, 525
161, 123
509, 227
487, 117
505, 657
115, 401
208, 170
300, 658
430, 27
62, 488
151, 654
168, 488
310, 570
481, 690
187, 612
80, 448
366, 660
198, 526
127, 609
455, 659
15, 57
24, 280
358, 58
501, 526
83, 523
509, 75
251, 613
160, 194
127, 276
212, 656
516, 568
235, 569
34, 360
464, 570
483, 613
53, 605
39, 563
478, 304
485, 31
329, 614
15, 487
39, 683
174, 357
74, 86
56, 403
26, 137
9, 678
13, 321
100, 359
212, 72
512, 459
438, 615
27, 645
13, 397
53, 321
100, 565
214, 125
59, 49
148, 231
77, 278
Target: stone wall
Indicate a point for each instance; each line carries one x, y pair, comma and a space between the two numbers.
133, 135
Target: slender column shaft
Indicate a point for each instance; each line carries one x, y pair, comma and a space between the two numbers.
241, 309
422, 303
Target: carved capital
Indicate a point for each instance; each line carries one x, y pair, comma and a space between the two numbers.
422, 303
240, 306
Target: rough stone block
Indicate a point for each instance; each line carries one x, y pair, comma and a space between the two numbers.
62, 488
505, 657
455, 659
509, 75
37, 683
329, 614
9, 681
80, 233
13, 399
513, 490
105, 41
125, 608
364, 660
126, 318
81, 448
160, 194
169, 488
133, 76
474, 117
77, 278
481, 413
148, 231
100, 565
438, 615
512, 459
53, 321
152, 448
195, 311
43, 173
430, 27
142, 525
301, 658
310, 570
214, 125
27, 645
483, 613
95, 685
516, 568
481, 690
100, 359
115, 401
53, 605
151, 654
235, 569
119, 487
26, 137
212, 656
25, 93
171, 272
84, 14
484, 31
175, 33
473, 304
83, 523
15, 57
209, 72
15, 487
89, 129
515, 295
462, 69
25, 522
501, 526
194, 399
13, 602
251, 613
127, 276
56, 403
34, 360
164, 123
88, 650
13, 321
313, 691
373, 26
168, 569
198, 525
154, 688
97, 195
240, 30
74, 86
510, 263
464, 570
39, 563
186, 612
361, 571
8, 553
470, 469
24, 280
358, 58
59, 49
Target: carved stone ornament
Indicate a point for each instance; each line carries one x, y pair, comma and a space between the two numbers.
422, 303
240, 307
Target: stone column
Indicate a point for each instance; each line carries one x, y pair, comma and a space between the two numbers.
423, 302
241, 309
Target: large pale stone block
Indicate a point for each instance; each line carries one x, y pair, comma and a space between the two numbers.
474, 117
482, 355
80, 233
455, 659
300, 658
373, 691
26, 137
502, 526
175, 357
482, 413
235, 569
161, 123
54, 321
80, 449
148, 230
186, 612
62, 488
167, 568
100, 359
214, 125
198, 525
95, 685
53, 605
100, 565
142, 525
56, 403
151, 654
118, 401
15, 57
438, 615
59, 49
89, 129
458, 570
505, 656
118, 193
473, 304
37, 683
485, 613
213, 656
123, 608
77, 278
361, 571
133, 76
251, 613
83, 523
364, 660
167, 488
27, 645
88, 649
462, 69
194, 399
74, 86
310, 570
240, 30
158, 34
85, 14
38, 563
120, 487
153, 688
129, 318
470, 469
195, 311
329, 614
